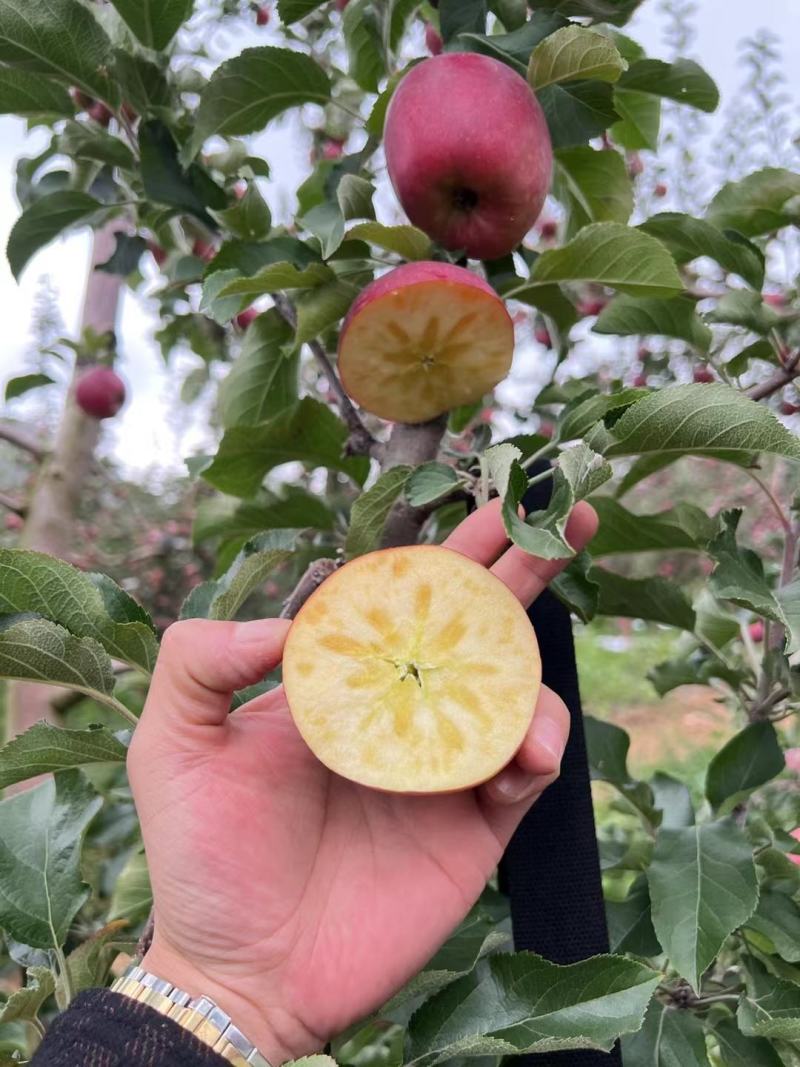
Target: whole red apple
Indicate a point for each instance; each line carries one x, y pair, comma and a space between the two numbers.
592, 305
756, 631
203, 250
332, 149
640, 381
80, 99
423, 339
157, 252
244, 318
542, 335
788, 408
643, 353
660, 189
548, 229
262, 15
433, 40
100, 392
703, 375
775, 300
468, 152
100, 113
13, 521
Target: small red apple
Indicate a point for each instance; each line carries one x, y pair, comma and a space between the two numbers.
262, 15
542, 335
635, 165
80, 99
476, 186
244, 318
14, 521
341, 4
100, 392
157, 252
423, 339
660, 190
775, 300
788, 408
332, 148
640, 381
203, 250
100, 113
240, 190
385, 673
756, 630
643, 353
548, 229
592, 305
433, 40
703, 375
546, 429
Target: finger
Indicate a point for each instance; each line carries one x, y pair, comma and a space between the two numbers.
526, 575
536, 765
201, 665
481, 536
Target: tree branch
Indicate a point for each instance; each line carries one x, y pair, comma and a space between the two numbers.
361, 442
313, 578
788, 372
12, 505
20, 439
411, 446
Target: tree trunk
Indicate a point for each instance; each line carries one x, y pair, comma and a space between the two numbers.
54, 501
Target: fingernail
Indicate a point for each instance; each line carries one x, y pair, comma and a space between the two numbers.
547, 735
513, 785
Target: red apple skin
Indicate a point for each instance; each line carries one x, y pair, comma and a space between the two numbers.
433, 40
592, 306
548, 229
80, 99
788, 408
262, 16
341, 4
542, 335
472, 185
660, 190
332, 149
640, 381
157, 252
100, 392
100, 113
703, 375
756, 631
775, 300
244, 318
203, 250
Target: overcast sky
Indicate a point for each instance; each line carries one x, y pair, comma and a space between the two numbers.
152, 430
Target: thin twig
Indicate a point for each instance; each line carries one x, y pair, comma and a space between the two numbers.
788, 372
361, 442
21, 439
313, 578
784, 521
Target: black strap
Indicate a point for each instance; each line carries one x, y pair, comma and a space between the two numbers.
551, 869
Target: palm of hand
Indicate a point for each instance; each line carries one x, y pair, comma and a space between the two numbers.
341, 893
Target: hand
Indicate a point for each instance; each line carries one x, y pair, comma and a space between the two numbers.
297, 900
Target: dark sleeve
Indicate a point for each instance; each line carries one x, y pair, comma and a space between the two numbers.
105, 1029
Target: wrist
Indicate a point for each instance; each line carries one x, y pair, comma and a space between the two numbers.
275, 1032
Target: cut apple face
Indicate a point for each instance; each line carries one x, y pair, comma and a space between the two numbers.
423, 339
413, 670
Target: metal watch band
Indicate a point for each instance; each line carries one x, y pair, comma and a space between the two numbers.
199, 1015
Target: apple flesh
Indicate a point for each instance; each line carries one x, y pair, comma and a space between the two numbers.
413, 670
423, 339
100, 393
468, 153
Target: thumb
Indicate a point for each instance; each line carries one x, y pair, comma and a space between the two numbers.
202, 663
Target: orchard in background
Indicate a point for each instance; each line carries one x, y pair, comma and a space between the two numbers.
422, 295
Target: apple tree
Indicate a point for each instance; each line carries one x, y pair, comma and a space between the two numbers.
359, 339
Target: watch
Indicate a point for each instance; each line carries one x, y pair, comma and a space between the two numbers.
199, 1015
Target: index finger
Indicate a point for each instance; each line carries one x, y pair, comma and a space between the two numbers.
481, 536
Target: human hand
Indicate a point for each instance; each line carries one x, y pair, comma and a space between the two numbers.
297, 900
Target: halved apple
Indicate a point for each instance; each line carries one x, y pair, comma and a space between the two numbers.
423, 339
413, 670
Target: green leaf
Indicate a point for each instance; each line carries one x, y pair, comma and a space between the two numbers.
617, 12
702, 885
549, 299
167, 182
44, 220
622, 531
17, 386
231, 518
698, 419
594, 185
608, 253
740, 363
406, 241
326, 223
132, 898
90, 963
789, 599
245, 93
669, 1038
141, 82
740, 1051
430, 483
581, 413
631, 316
58, 38
514, 48
697, 668
365, 51
777, 917
25, 93
354, 195
25, 1003
744, 308
574, 53
630, 926
461, 16
577, 112
575, 588
124, 260
309, 433
760, 203
608, 747
749, 760
322, 307
640, 119
294, 10
370, 511
673, 799
40, 845
523, 1003
771, 1007
86, 605
249, 218
688, 238
81, 141
263, 380
44, 748
222, 599
683, 81
155, 22
274, 277
248, 257
739, 574
652, 599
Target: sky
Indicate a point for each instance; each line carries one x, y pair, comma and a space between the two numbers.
153, 432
